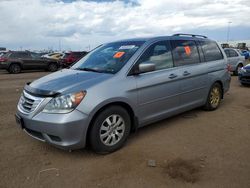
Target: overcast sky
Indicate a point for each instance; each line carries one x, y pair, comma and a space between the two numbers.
43, 24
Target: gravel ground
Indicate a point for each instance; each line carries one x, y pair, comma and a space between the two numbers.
194, 149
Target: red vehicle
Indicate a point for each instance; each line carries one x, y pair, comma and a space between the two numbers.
71, 57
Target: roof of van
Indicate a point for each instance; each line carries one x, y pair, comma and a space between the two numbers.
176, 36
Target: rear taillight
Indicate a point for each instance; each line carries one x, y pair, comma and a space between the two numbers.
229, 68
3, 59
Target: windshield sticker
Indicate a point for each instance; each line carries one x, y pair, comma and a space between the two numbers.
127, 47
187, 50
118, 54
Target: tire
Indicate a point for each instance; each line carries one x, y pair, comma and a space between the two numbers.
110, 130
214, 97
14, 68
52, 67
245, 85
236, 72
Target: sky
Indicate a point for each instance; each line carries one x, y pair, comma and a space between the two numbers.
84, 24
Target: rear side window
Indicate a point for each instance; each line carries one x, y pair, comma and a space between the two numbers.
19, 55
185, 52
227, 53
233, 53
159, 54
211, 51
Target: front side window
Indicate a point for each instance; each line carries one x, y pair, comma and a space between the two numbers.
211, 51
158, 54
35, 55
185, 52
108, 58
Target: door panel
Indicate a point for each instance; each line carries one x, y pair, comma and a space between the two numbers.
36, 62
193, 74
158, 95
193, 85
158, 91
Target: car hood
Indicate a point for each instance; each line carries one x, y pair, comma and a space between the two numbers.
68, 80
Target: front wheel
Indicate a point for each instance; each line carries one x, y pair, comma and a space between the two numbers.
14, 68
110, 130
214, 97
52, 67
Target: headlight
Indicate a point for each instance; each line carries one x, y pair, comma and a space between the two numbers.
243, 70
65, 103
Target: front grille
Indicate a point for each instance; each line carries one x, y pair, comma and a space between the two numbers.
28, 103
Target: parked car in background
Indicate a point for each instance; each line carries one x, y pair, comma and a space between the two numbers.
225, 45
71, 57
2, 53
16, 61
246, 53
121, 86
235, 60
244, 75
55, 55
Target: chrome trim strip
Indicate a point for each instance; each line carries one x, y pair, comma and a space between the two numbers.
35, 104
33, 136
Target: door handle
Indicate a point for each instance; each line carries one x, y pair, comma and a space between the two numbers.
186, 73
171, 76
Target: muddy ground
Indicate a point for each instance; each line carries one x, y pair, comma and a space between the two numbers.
194, 149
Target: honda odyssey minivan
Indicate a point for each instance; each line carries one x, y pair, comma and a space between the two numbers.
122, 86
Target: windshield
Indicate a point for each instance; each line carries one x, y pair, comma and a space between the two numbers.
108, 58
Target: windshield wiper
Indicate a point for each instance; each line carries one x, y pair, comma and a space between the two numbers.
89, 69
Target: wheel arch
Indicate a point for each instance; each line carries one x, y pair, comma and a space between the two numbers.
222, 87
126, 106
53, 62
240, 63
15, 62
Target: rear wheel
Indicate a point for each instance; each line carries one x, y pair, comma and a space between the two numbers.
14, 68
236, 72
52, 67
214, 97
110, 130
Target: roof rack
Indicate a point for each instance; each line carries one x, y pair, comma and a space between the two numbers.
191, 35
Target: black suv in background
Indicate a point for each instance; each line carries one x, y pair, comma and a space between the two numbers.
16, 61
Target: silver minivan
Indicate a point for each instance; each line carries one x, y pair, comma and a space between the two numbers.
121, 86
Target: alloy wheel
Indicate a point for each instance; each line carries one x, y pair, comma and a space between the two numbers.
112, 130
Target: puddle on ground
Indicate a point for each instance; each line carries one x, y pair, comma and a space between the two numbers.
185, 170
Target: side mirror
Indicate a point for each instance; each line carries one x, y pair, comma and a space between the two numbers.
146, 67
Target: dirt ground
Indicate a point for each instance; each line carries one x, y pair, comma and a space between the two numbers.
194, 149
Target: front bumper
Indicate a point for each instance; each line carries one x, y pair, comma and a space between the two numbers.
66, 131
244, 78
3, 65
